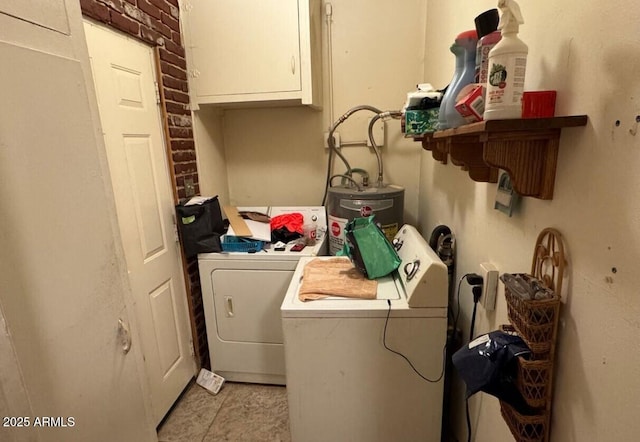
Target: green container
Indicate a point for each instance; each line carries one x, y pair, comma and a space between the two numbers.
418, 122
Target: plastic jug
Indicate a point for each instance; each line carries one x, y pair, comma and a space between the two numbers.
468, 41
458, 51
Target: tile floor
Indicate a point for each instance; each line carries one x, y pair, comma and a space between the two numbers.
238, 413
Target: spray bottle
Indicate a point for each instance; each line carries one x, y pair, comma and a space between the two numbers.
507, 66
488, 37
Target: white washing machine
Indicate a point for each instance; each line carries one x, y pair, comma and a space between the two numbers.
342, 383
242, 294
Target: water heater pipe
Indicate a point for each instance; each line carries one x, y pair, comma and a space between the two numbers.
328, 13
384, 116
334, 150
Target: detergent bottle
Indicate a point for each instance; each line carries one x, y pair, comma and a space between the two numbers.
458, 51
507, 66
465, 57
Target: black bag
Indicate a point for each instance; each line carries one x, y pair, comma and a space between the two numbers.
489, 364
200, 227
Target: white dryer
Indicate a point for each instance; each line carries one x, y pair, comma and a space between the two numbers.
241, 296
343, 383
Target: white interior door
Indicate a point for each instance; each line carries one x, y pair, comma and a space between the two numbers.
124, 76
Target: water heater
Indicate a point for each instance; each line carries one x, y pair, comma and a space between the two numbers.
345, 203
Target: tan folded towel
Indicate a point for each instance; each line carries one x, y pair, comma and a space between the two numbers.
335, 277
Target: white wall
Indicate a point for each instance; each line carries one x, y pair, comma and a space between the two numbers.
212, 166
276, 156
588, 52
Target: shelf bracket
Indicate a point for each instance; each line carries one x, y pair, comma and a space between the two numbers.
529, 158
467, 152
437, 148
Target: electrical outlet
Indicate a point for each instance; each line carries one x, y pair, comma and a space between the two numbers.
489, 274
336, 139
378, 132
189, 187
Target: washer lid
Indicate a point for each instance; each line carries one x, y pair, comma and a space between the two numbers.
390, 290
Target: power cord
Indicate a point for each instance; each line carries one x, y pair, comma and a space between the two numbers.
384, 342
475, 281
477, 292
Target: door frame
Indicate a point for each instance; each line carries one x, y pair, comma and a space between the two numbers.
166, 136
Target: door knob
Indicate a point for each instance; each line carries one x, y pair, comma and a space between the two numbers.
125, 336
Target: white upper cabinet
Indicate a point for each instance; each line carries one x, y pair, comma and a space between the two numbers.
253, 51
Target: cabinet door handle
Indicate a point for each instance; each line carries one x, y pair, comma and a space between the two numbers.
293, 65
228, 302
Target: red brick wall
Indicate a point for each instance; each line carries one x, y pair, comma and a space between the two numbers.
157, 22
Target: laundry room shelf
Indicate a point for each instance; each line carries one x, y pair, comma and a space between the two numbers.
526, 148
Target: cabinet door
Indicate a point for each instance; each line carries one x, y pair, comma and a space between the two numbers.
244, 46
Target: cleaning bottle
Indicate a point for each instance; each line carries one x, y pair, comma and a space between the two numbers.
468, 40
507, 66
488, 37
465, 52
458, 51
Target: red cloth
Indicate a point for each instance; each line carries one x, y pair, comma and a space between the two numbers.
292, 221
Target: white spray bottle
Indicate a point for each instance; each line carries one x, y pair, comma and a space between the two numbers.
507, 66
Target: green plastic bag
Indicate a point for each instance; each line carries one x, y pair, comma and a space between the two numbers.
369, 249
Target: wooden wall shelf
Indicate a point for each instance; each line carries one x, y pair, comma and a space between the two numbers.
526, 148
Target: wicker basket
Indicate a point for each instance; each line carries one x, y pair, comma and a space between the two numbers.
534, 320
533, 381
533, 377
525, 428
